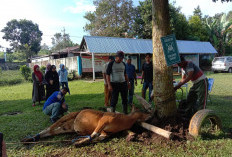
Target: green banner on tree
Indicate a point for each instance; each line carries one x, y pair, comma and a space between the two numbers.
170, 48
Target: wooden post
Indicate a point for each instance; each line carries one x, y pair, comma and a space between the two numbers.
93, 66
157, 130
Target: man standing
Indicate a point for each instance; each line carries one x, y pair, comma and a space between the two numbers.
118, 81
198, 91
131, 73
147, 76
55, 105
107, 93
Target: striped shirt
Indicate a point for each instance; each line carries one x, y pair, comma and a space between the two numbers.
198, 74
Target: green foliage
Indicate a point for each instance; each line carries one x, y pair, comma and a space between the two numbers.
61, 41
111, 18
42, 69
142, 27
198, 28
179, 23
24, 36
25, 71
219, 29
10, 77
72, 75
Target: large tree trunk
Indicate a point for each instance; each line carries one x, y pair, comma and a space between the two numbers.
164, 96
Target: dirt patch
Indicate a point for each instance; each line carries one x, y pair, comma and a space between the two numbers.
177, 125
12, 113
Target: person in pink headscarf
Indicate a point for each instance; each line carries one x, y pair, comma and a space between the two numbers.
38, 92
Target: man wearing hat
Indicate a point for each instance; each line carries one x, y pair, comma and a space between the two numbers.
131, 73
198, 91
107, 93
118, 81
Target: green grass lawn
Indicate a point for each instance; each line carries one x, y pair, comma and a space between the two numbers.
10, 77
17, 98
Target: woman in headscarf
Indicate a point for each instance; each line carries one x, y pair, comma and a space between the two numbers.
48, 67
38, 92
52, 79
63, 77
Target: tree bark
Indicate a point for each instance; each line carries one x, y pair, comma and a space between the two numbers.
164, 95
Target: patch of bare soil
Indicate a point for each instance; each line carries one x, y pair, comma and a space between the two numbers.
177, 125
12, 113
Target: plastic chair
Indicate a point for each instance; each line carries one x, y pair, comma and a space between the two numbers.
210, 86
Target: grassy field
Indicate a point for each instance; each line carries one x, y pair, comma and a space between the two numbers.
31, 120
11, 77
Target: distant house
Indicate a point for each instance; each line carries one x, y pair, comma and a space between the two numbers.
99, 46
67, 52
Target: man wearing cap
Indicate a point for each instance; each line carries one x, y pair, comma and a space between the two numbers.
107, 93
117, 81
147, 76
131, 73
198, 91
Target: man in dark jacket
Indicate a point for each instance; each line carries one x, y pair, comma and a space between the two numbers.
147, 76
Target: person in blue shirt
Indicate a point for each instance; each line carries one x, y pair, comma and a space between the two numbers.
63, 77
55, 105
131, 73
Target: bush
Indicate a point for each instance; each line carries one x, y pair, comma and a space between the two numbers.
10, 77
25, 71
42, 69
72, 75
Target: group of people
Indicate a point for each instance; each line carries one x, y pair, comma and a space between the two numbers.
120, 77
52, 80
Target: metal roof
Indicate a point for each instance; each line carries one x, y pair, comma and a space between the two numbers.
100, 44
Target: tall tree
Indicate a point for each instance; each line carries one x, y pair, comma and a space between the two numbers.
179, 23
198, 29
45, 50
164, 96
220, 32
197, 12
111, 18
61, 40
24, 36
142, 26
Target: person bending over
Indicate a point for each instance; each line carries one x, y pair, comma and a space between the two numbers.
55, 105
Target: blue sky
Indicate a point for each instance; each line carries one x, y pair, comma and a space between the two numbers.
54, 15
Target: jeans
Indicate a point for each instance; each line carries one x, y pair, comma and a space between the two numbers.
54, 110
145, 86
131, 92
119, 88
66, 85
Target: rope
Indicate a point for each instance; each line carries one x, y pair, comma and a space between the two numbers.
14, 143
74, 140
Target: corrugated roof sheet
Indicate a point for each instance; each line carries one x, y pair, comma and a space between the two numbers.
100, 44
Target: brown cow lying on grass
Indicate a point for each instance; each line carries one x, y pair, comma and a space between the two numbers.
97, 124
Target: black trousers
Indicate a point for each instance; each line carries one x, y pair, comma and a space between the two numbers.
119, 88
